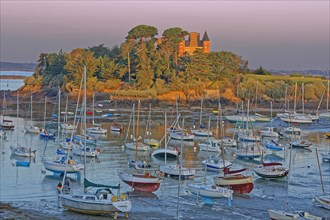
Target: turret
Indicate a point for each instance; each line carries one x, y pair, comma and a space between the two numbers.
206, 43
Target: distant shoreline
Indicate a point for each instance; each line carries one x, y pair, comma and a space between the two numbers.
12, 77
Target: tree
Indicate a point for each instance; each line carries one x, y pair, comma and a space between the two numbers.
108, 69
261, 71
144, 73
142, 33
275, 90
100, 51
54, 72
76, 61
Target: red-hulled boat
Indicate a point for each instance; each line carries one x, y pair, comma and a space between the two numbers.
141, 182
237, 182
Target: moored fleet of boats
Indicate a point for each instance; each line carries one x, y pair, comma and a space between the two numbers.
246, 143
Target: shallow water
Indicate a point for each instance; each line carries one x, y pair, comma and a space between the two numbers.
32, 188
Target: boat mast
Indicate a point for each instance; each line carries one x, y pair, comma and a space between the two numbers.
207, 147
222, 146
328, 95
180, 169
318, 163
45, 113
302, 98
286, 107
84, 109
17, 117
137, 133
59, 117
165, 138
271, 112
66, 110
255, 104
200, 114
295, 99
31, 111
93, 108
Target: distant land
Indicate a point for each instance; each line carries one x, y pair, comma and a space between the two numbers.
10, 66
323, 73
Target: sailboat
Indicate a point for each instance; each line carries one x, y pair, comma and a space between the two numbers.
271, 170
294, 117
6, 124
176, 170
43, 133
145, 181
19, 150
209, 191
65, 164
66, 126
135, 144
96, 128
32, 128
165, 153
116, 127
201, 131
259, 117
104, 201
324, 199
295, 215
327, 113
150, 141
233, 179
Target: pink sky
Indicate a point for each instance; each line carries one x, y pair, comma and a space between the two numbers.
274, 34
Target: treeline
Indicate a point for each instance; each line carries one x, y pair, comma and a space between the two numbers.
141, 67
138, 67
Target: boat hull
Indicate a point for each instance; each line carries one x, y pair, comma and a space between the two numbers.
174, 171
94, 207
210, 191
141, 182
271, 172
61, 168
239, 184
323, 201
140, 147
170, 154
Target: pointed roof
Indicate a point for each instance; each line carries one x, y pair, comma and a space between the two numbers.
205, 37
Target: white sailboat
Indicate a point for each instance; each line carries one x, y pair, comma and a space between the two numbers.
145, 181
43, 133
327, 113
6, 124
287, 215
19, 150
96, 128
324, 199
135, 144
65, 125
32, 128
165, 153
104, 201
201, 131
65, 164
209, 191
149, 141
176, 170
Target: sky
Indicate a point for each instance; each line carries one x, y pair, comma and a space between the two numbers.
286, 35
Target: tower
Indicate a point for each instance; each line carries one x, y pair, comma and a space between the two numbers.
206, 43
